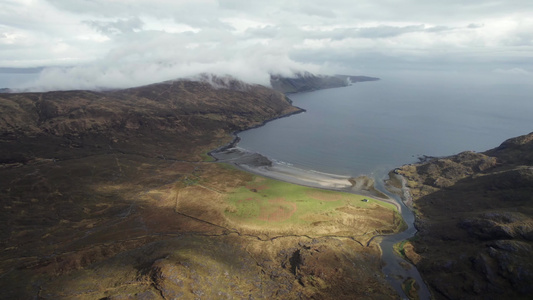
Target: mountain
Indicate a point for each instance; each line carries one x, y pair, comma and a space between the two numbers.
148, 120
475, 221
306, 82
111, 195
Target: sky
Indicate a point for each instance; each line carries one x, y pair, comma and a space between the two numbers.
123, 43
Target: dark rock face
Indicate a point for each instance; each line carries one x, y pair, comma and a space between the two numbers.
498, 226
518, 150
476, 210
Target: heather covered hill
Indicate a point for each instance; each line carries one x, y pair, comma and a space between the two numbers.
148, 120
475, 222
110, 195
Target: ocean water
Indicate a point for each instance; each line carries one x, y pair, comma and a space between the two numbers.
372, 127
12, 80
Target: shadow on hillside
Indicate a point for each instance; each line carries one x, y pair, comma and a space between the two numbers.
476, 236
106, 225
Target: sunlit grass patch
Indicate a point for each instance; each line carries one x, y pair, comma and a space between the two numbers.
223, 195
268, 202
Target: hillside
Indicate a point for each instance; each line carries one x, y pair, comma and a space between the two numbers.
307, 82
110, 195
475, 222
149, 120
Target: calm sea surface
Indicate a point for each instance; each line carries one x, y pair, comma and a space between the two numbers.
373, 127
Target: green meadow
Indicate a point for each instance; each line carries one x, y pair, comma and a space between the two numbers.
266, 201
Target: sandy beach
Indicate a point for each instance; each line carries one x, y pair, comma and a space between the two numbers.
299, 176
261, 165
258, 164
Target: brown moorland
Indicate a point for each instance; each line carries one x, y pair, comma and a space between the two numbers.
108, 195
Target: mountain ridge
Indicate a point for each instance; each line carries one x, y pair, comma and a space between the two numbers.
298, 82
170, 107
307, 82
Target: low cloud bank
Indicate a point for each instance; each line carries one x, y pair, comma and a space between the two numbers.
110, 74
123, 43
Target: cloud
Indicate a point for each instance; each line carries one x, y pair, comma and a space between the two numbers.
316, 10
388, 31
474, 26
116, 27
147, 57
513, 71
119, 43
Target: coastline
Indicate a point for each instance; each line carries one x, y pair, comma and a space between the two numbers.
258, 164
236, 138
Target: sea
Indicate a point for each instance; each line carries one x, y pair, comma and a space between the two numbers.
370, 128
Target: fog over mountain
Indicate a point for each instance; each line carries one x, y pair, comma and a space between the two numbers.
122, 43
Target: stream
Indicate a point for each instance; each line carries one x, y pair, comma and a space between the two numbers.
373, 127
393, 270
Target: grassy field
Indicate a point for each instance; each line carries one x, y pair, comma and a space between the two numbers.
228, 197
270, 203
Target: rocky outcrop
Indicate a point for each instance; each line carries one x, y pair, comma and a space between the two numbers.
475, 221
323, 270
518, 150
499, 226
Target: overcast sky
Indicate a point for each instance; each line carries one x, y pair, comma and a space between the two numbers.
120, 43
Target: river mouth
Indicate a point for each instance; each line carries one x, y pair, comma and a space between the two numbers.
371, 128
396, 269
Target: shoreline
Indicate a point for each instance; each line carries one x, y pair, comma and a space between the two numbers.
258, 164
236, 138
242, 159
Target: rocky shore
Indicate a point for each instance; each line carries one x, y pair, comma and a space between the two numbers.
474, 215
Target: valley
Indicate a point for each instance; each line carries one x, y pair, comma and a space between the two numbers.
114, 195
111, 195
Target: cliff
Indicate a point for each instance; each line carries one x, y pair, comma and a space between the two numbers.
475, 221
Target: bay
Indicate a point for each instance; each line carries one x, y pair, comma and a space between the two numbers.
372, 127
